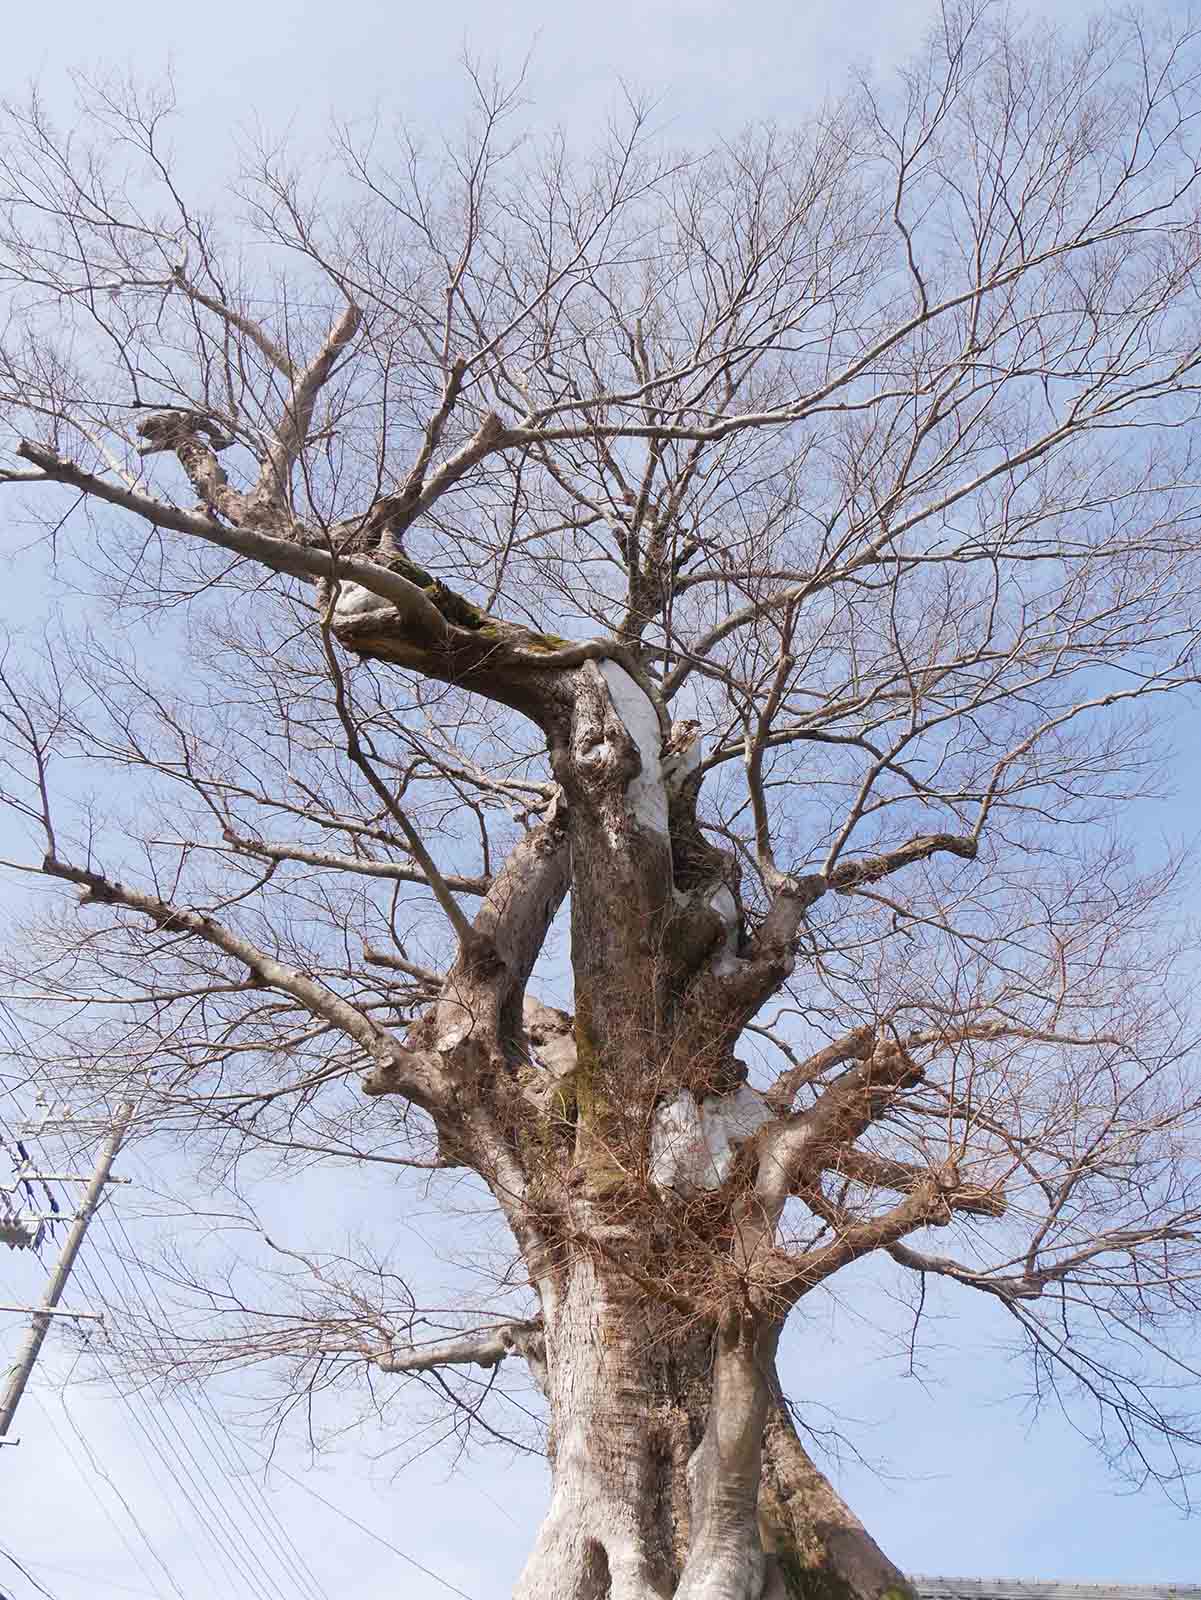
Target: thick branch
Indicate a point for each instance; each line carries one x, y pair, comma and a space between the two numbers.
267, 850
486, 1348
294, 559
854, 1046
769, 960
393, 514
934, 1197
796, 1152
245, 325
1031, 1285
194, 439
414, 1076
478, 1015
903, 1177
857, 1045
869, 869
293, 429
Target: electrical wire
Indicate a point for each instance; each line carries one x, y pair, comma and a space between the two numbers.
149, 1439
143, 1440
308, 1489
64, 1444
17, 1153
89, 1481
28, 1576
90, 1578
215, 1440
221, 1527
363, 1528
179, 1461
269, 1521
297, 1567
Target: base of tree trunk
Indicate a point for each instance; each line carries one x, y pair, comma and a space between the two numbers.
819, 1549
677, 1471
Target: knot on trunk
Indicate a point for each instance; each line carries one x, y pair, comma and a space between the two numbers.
176, 430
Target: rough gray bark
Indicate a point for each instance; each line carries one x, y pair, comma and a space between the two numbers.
817, 1541
677, 1470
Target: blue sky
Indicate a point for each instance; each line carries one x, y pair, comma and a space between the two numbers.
964, 1484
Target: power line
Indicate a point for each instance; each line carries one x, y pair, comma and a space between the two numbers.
90, 1578
363, 1528
65, 1265
269, 1520
293, 1571
222, 1527
299, 1567
271, 1463
163, 1455
60, 1275
88, 1480
63, 1268
197, 1488
225, 1528
8, 1556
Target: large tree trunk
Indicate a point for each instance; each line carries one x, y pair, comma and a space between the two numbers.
677, 1475
621, 1437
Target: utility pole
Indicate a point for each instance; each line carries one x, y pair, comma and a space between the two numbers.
44, 1315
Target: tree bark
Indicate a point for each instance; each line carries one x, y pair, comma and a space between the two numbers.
818, 1546
676, 1472
622, 1408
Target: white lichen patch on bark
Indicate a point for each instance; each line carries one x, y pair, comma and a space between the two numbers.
693, 1146
647, 790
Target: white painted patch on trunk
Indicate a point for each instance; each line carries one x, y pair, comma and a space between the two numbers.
726, 960
693, 1146
353, 600
680, 766
678, 1148
454, 1035
646, 792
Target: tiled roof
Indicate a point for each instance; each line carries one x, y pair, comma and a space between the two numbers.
928, 1588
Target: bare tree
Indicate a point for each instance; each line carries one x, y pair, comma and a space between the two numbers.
778, 554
